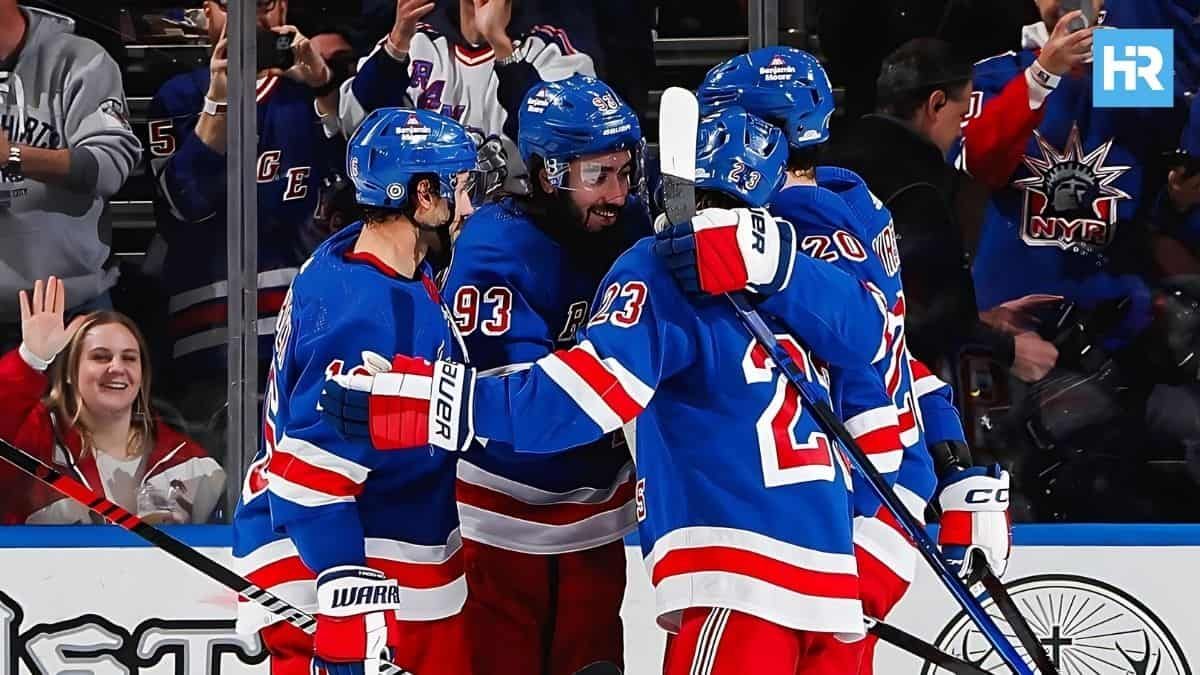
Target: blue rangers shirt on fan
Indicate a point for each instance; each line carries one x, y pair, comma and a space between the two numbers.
518, 292
313, 499
742, 501
294, 156
1066, 178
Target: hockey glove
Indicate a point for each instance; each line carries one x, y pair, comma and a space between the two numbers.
392, 408
975, 518
356, 620
724, 250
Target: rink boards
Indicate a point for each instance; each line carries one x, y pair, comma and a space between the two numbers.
1105, 599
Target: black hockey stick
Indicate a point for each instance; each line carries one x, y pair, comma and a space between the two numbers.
922, 649
189, 556
678, 115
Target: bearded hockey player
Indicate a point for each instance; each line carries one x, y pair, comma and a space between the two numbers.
838, 220
542, 535
323, 518
743, 503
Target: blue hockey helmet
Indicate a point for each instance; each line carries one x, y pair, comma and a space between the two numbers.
394, 144
741, 156
563, 120
785, 86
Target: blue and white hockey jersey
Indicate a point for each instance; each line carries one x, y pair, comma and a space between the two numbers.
742, 501
313, 499
517, 294
294, 156
859, 238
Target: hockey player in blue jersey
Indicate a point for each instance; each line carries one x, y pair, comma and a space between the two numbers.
542, 535
743, 503
322, 517
838, 220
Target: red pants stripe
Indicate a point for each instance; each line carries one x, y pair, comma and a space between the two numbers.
543, 614
718, 641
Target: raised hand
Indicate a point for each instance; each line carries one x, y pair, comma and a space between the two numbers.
1065, 50
408, 14
491, 19
42, 329
218, 67
310, 68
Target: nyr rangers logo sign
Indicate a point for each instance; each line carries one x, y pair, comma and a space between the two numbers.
1070, 200
1087, 627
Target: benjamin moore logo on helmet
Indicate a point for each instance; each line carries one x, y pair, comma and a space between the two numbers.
777, 70
538, 102
395, 191
413, 129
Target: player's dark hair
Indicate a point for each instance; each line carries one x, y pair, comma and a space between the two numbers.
803, 159
917, 69
374, 215
714, 199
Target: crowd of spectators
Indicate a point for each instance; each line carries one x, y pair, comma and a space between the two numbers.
1049, 254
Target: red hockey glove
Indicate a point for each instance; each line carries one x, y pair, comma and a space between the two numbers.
727, 250
356, 620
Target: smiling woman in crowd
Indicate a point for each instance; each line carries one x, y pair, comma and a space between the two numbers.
78, 396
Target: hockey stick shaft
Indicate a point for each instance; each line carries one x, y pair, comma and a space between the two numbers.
831, 425
922, 649
72, 488
1025, 635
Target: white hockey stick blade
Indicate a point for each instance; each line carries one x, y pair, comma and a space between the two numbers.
678, 119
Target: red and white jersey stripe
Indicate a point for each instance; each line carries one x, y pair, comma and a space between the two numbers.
877, 434
790, 585
505, 513
603, 388
431, 579
306, 474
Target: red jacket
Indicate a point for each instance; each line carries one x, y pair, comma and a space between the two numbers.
28, 424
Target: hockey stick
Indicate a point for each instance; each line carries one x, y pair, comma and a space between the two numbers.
678, 121
831, 425
189, 556
922, 649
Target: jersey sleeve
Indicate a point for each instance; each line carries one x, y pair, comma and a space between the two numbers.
935, 399
547, 54
1006, 106
488, 293
381, 82
188, 174
842, 319
870, 416
314, 475
641, 332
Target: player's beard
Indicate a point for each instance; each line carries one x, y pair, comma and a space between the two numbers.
598, 249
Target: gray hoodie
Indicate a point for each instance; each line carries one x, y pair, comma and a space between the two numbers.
65, 92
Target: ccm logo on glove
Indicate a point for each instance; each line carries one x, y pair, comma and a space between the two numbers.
986, 495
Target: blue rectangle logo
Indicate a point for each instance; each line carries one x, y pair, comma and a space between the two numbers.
1133, 68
